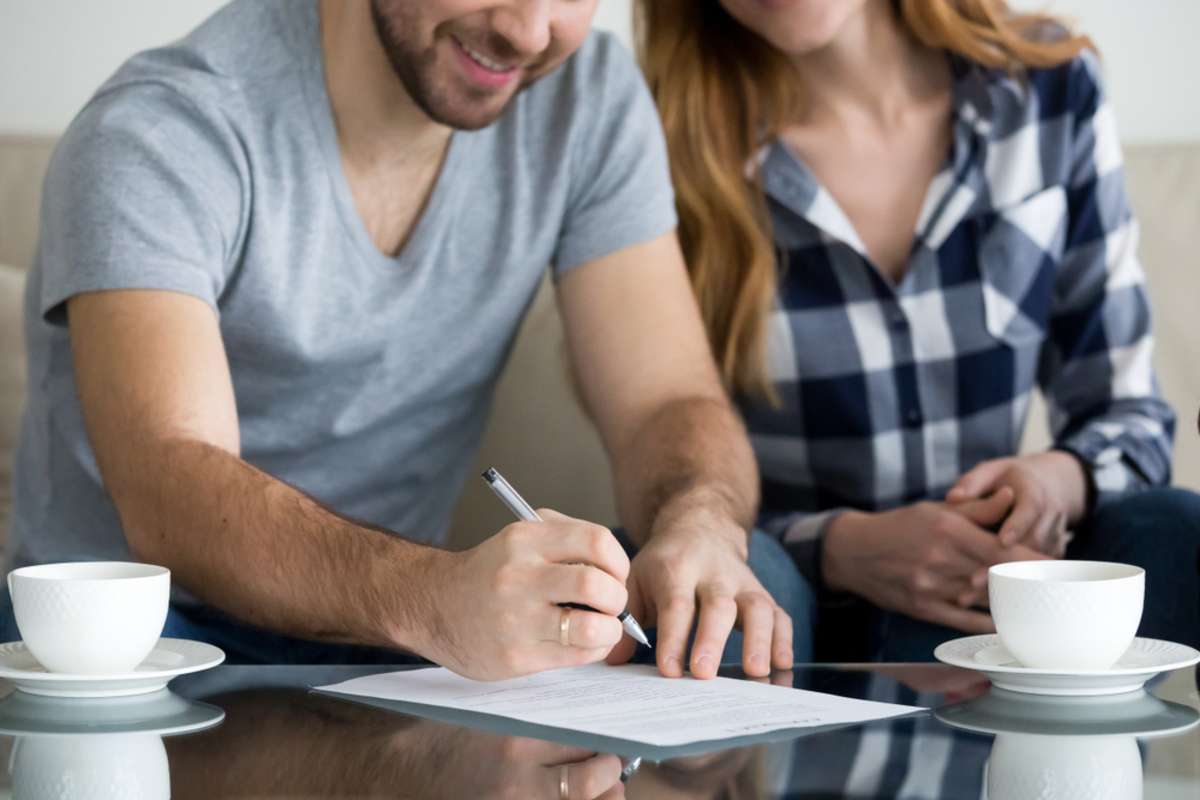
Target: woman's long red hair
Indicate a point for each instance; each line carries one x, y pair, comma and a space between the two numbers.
723, 92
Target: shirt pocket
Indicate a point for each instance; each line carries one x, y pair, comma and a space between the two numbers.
1020, 251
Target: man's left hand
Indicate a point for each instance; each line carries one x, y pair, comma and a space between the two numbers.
697, 569
1050, 496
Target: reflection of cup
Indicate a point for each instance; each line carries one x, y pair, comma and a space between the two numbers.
1074, 615
90, 617
1029, 767
118, 766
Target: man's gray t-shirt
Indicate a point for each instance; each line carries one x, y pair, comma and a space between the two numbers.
211, 167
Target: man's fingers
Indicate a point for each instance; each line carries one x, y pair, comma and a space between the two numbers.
573, 541
718, 613
978, 481
635, 606
583, 584
991, 510
674, 623
757, 613
781, 643
585, 780
548, 754
585, 629
622, 652
554, 656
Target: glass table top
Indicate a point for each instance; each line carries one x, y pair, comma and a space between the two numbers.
257, 731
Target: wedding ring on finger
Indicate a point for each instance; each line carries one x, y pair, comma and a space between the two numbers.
564, 788
564, 638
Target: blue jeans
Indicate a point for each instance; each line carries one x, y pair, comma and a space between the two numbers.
246, 644
1157, 529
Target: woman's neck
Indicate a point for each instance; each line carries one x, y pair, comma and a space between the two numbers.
873, 72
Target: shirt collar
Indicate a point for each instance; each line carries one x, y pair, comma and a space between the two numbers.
972, 88
789, 181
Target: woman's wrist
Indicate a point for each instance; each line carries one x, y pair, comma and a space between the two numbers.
1072, 481
836, 545
1078, 483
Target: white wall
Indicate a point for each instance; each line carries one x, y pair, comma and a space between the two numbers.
53, 54
1150, 58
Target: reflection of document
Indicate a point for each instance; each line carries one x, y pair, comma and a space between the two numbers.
633, 702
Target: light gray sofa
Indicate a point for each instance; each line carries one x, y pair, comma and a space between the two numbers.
537, 434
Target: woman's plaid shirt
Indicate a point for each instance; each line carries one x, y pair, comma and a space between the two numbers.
1023, 274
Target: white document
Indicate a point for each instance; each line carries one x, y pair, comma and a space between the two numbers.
630, 702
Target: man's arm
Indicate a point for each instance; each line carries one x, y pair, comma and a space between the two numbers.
685, 474
159, 407
648, 380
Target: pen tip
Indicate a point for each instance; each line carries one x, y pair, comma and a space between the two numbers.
489, 474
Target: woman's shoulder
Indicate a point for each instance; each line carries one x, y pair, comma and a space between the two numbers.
1073, 88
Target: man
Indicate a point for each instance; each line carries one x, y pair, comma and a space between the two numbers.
281, 263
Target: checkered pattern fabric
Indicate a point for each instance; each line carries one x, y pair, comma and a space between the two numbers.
914, 758
1023, 273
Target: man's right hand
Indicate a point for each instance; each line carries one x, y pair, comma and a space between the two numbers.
497, 609
918, 560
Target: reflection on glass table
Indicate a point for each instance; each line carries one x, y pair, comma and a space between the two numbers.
278, 740
112, 747
1070, 746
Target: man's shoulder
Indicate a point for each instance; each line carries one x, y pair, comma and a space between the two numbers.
602, 54
593, 83
244, 46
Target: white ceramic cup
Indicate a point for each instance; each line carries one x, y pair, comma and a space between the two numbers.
1071, 615
88, 618
1028, 767
120, 766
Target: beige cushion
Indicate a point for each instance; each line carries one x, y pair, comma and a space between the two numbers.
12, 380
23, 161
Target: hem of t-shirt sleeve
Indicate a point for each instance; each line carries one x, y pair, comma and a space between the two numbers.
606, 240
53, 303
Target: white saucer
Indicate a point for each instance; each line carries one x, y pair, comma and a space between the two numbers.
163, 713
170, 658
1137, 714
1144, 659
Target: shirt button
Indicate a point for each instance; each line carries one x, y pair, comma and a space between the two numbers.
913, 416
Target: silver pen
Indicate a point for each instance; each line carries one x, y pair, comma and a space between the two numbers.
524, 511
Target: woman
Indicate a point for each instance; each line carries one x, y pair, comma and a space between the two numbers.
900, 217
